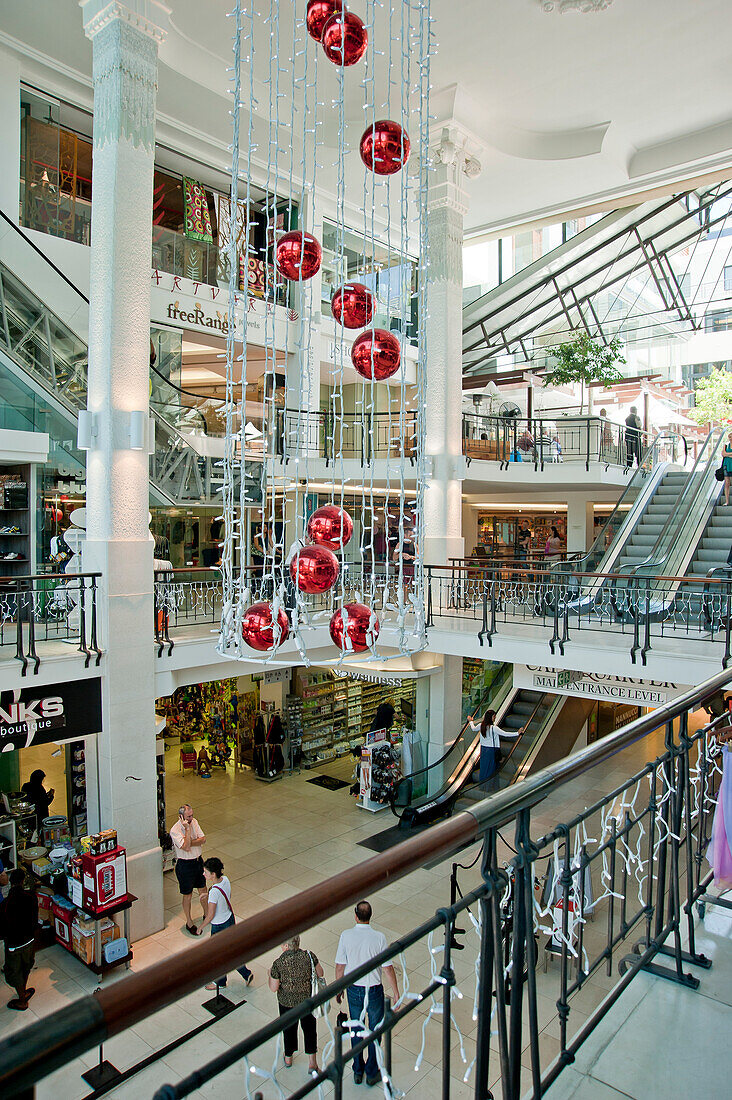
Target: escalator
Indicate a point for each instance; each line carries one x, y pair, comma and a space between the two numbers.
42, 354
433, 792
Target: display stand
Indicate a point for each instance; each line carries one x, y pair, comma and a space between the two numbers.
98, 966
374, 774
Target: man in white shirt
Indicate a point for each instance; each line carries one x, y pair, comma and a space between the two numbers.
357, 946
188, 840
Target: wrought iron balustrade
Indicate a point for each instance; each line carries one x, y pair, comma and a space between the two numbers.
45, 608
609, 888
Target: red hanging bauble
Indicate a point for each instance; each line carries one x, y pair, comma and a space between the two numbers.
298, 255
345, 38
257, 628
330, 526
352, 621
376, 354
353, 305
318, 14
384, 147
314, 569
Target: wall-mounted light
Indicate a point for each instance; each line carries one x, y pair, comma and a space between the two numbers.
86, 430
142, 432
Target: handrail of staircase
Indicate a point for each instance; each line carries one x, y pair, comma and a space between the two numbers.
647, 465
29, 1054
678, 515
492, 690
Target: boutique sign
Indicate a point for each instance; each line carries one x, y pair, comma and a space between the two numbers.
597, 685
57, 712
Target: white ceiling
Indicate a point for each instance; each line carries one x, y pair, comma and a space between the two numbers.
565, 109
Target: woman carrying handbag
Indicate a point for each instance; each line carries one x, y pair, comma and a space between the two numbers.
219, 914
294, 977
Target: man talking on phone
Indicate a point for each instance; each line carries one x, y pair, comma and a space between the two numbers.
188, 840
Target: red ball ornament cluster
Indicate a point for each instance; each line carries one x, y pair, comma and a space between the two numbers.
376, 354
342, 34
353, 305
258, 630
314, 569
330, 526
345, 38
298, 255
351, 628
384, 147
317, 15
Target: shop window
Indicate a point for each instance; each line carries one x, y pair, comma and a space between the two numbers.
728, 279
55, 171
392, 275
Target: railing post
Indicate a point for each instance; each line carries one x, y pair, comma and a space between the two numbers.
490, 954
588, 425
93, 642
647, 620
685, 787
32, 626
19, 640
727, 623
430, 620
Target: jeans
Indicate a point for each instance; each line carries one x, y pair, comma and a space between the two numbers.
243, 970
374, 1014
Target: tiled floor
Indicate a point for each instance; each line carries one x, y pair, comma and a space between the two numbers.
276, 839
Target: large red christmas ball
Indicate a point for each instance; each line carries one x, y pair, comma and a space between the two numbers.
384, 147
330, 526
376, 354
345, 38
318, 14
314, 569
298, 255
257, 627
352, 622
353, 304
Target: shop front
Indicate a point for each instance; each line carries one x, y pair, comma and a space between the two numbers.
47, 736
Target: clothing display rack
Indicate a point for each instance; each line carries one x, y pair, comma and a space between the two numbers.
271, 748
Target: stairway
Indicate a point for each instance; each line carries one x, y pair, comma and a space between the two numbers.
641, 543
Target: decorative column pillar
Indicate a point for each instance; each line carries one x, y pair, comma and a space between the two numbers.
447, 205
125, 41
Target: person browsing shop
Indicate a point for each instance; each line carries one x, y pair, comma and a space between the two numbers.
220, 914
36, 793
188, 840
357, 946
490, 744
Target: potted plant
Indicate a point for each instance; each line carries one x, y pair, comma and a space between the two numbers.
584, 360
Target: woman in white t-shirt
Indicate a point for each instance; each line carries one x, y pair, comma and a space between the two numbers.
490, 743
219, 914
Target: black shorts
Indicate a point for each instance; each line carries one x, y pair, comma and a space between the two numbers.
18, 964
189, 873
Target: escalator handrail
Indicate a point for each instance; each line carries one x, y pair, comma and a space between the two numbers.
641, 473
685, 503
82, 295
519, 739
485, 696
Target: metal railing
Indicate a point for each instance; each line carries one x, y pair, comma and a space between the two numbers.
644, 609
549, 440
610, 888
49, 607
494, 602
321, 435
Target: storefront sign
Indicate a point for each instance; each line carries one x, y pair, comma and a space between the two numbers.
369, 677
596, 685
57, 712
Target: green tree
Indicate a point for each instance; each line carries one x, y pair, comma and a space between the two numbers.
584, 360
713, 396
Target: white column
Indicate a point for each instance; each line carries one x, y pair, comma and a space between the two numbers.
125, 43
580, 523
447, 205
445, 707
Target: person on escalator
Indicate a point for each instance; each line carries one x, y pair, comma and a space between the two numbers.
727, 469
490, 743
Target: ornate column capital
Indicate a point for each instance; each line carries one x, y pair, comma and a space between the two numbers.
150, 17
126, 39
454, 158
